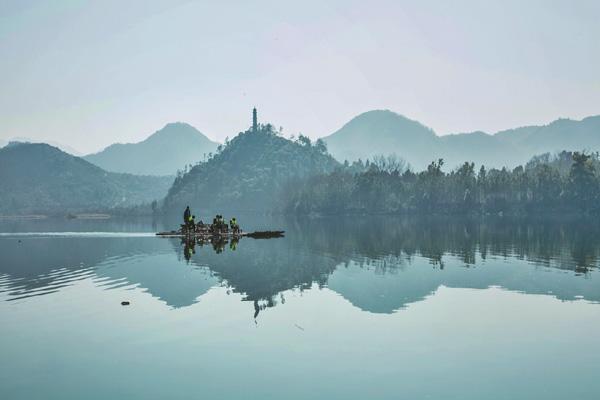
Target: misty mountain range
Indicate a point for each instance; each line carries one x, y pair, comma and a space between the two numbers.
377, 132
163, 153
255, 167
385, 132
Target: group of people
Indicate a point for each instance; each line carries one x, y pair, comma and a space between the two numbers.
218, 225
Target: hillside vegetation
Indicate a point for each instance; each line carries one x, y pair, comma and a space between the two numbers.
39, 178
565, 183
248, 173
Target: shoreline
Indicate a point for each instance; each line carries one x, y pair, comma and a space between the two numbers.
67, 216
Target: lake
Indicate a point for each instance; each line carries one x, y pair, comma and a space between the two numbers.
341, 308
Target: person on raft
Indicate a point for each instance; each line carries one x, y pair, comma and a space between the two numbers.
186, 215
218, 224
213, 227
233, 225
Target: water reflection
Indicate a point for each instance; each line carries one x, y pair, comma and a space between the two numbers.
379, 265
218, 245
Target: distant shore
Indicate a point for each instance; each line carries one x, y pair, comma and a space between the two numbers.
42, 216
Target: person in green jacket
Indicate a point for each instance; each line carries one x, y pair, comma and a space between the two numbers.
191, 225
233, 225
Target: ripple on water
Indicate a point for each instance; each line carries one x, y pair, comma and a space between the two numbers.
76, 234
51, 282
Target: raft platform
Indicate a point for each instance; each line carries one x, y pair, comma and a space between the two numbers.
210, 235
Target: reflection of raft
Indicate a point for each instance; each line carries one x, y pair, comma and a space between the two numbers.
210, 235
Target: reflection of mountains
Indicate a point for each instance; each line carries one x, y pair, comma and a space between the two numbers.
379, 290
386, 263
262, 269
568, 244
382, 264
378, 264
38, 266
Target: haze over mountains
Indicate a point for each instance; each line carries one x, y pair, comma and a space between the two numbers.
255, 167
385, 132
39, 178
64, 147
376, 132
163, 153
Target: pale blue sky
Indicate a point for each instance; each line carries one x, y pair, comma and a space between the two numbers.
92, 73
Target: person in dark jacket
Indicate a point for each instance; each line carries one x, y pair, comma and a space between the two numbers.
186, 215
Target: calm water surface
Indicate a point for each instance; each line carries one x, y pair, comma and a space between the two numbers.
338, 309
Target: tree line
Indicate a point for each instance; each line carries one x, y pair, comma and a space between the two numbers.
568, 182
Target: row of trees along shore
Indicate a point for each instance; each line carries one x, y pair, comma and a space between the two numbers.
568, 182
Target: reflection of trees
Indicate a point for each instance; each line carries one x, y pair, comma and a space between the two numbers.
368, 246
261, 270
566, 244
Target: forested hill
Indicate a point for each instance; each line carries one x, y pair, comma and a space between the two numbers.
568, 183
248, 173
41, 179
163, 153
383, 132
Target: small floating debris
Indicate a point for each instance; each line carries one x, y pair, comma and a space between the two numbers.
125, 303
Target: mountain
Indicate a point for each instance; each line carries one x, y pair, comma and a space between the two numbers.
249, 173
562, 134
385, 132
64, 147
39, 178
163, 153
480, 148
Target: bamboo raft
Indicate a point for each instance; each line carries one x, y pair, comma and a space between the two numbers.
227, 234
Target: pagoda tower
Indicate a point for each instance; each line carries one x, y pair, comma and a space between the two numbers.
254, 120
